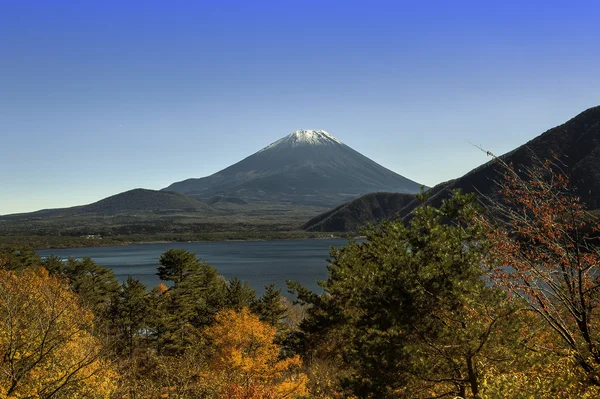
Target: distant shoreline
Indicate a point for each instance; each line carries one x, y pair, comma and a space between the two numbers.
64, 242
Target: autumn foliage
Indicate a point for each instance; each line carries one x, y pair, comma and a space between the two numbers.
246, 362
46, 343
546, 254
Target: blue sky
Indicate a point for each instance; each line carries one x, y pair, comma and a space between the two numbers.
98, 97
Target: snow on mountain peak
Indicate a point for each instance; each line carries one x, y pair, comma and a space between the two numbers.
314, 137
304, 137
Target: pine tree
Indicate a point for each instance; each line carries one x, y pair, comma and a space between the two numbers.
18, 257
269, 306
176, 264
96, 286
409, 310
197, 295
239, 294
159, 319
129, 314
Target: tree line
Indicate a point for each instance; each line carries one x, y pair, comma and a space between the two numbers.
473, 299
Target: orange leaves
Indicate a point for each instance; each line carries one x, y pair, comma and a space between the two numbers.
243, 342
161, 288
246, 361
46, 342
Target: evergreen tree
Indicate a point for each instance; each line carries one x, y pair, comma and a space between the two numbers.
129, 314
239, 294
269, 307
159, 319
409, 310
197, 295
204, 292
96, 286
54, 264
18, 257
176, 264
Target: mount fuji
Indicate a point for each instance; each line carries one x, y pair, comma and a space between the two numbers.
309, 167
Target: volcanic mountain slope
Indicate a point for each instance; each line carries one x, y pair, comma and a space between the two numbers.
576, 143
309, 167
129, 202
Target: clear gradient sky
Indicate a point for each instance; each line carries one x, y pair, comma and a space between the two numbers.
99, 97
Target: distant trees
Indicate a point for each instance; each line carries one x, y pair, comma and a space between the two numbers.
201, 340
198, 293
57, 320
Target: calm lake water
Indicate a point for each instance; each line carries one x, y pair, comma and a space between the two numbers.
258, 262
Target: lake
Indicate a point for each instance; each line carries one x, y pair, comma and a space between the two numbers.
258, 262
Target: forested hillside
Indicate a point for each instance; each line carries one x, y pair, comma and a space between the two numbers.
370, 208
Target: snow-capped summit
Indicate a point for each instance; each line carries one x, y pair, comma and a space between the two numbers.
304, 137
312, 137
306, 166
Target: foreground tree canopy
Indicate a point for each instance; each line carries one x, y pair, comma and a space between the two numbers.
46, 341
412, 313
430, 309
550, 243
246, 362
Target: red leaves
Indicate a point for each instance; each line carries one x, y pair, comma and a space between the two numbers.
544, 254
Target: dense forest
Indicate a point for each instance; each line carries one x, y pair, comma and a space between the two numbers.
471, 299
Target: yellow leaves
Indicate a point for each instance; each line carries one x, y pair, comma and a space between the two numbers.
246, 361
46, 341
544, 369
235, 358
545, 376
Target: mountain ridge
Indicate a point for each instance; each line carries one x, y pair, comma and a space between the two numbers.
131, 201
575, 142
